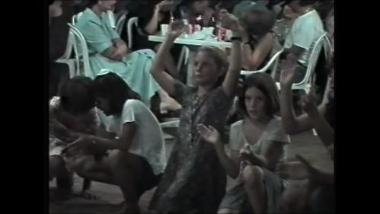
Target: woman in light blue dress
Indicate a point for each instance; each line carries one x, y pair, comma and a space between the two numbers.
108, 51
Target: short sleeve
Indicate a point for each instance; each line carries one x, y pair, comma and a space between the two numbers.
130, 111
303, 33
95, 36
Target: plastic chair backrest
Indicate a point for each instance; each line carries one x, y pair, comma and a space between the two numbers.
183, 57
69, 47
75, 18
81, 52
133, 21
273, 62
312, 61
120, 23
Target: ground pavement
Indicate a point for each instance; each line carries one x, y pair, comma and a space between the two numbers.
110, 197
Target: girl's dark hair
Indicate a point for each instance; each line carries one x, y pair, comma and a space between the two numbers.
51, 2
77, 95
267, 86
114, 89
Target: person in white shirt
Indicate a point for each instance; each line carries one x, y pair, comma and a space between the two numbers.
136, 156
306, 29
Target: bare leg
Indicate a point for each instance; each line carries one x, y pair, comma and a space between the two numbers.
57, 169
118, 168
64, 178
127, 170
255, 189
55, 163
86, 166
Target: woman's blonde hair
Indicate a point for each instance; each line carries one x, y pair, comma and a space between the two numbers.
220, 59
217, 54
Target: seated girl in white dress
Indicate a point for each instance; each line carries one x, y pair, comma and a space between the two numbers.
256, 146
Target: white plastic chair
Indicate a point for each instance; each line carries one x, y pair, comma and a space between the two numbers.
75, 18
273, 63
183, 57
65, 58
120, 23
307, 81
133, 21
170, 124
81, 53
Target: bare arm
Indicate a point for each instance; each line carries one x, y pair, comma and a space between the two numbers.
228, 163
211, 135
254, 58
117, 51
291, 123
152, 26
230, 82
123, 143
323, 128
158, 67
314, 118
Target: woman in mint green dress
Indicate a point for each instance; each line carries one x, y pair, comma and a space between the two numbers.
108, 51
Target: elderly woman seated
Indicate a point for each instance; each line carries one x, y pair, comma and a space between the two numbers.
108, 51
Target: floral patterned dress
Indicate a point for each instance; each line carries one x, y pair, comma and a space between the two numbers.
194, 181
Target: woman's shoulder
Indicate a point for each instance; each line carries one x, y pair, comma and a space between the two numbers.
236, 129
86, 16
237, 124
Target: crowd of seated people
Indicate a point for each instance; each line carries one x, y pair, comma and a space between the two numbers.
102, 127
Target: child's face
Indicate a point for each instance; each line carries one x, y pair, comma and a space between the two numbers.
103, 105
205, 70
255, 103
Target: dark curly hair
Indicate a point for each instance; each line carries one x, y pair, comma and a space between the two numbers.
77, 95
